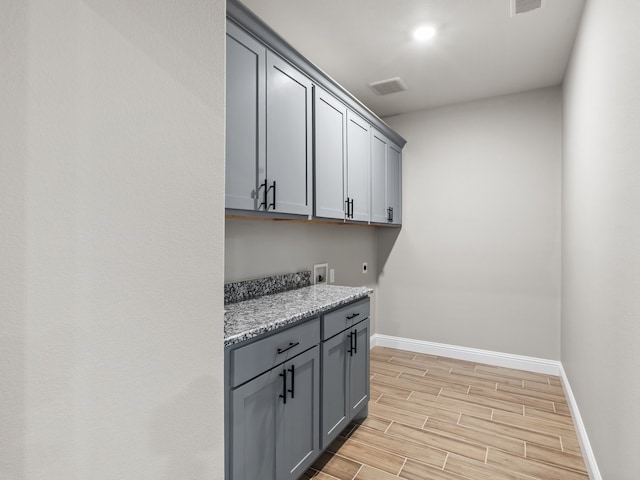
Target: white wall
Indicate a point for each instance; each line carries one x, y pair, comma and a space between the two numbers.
601, 232
111, 239
259, 248
477, 262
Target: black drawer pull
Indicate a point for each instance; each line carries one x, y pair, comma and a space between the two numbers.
350, 351
291, 345
264, 195
355, 341
272, 187
283, 395
292, 390
350, 317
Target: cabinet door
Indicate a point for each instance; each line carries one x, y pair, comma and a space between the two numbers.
394, 182
378, 178
289, 100
257, 416
330, 141
245, 134
357, 171
359, 368
299, 443
335, 409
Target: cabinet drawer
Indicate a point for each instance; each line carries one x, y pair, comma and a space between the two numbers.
342, 318
258, 357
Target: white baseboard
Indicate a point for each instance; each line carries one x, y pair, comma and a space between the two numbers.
583, 438
520, 362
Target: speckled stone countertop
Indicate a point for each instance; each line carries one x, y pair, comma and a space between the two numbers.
248, 319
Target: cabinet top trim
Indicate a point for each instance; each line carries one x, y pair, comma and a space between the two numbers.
250, 22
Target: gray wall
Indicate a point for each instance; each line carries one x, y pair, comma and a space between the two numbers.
601, 233
111, 239
259, 248
477, 262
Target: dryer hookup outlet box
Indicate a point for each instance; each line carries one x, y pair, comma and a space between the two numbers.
320, 273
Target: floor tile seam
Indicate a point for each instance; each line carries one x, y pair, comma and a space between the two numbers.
430, 445
524, 392
494, 402
519, 400
483, 466
436, 406
411, 442
554, 430
324, 473
517, 427
563, 453
402, 467
562, 467
493, 435
515, 377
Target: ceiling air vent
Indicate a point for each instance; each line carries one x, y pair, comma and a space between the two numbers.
525, 6
390, 85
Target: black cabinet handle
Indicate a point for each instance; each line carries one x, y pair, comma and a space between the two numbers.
347, 202
283, 395
292, 390
352, 208
291, 345
355, 341
264, 195
350, 351
349, 317
272, 204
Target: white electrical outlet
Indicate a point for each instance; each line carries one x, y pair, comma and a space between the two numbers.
332, 275
364, 267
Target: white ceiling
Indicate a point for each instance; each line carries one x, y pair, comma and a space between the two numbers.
480, 50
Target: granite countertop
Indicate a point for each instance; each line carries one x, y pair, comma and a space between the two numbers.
248, 319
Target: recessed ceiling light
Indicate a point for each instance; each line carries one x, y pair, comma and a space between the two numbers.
424, 33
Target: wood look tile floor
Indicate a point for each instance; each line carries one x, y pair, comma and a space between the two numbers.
442, 419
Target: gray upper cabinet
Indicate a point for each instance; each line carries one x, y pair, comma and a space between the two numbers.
245, 131
289, 137
330, 143
269, 130
394, 183
297, 143
357, 167
342, 157
386, 180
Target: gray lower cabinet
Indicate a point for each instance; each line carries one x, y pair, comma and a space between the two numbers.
275, 417
345, 373
386, 180
289, 394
